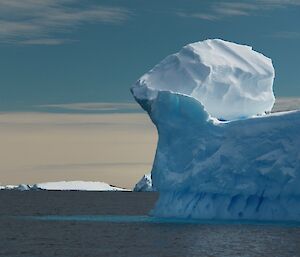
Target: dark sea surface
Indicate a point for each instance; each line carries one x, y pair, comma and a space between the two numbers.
79, 224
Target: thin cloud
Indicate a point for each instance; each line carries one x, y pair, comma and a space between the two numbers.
280, 2
94, 107
286, 35
72, 166
235, 9
221, 10
46, 41
35, 21
202, 16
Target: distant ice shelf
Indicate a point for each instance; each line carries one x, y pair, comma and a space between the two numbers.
220, 154
66, 186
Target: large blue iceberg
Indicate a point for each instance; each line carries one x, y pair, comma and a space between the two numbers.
220, 154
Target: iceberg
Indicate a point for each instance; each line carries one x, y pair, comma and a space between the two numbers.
144, 185
220, 154
76, 186
21, 187
9, 187
65, 186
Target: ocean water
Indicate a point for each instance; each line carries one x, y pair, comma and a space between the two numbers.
78, 224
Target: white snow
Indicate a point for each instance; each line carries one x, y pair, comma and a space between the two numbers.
10, 187
204, 168
66, 186
145, 184
77, 185
230, 80
21, 187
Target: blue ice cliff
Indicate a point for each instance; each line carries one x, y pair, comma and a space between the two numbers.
220, 155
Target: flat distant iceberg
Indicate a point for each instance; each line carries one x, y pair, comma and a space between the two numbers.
247, 167
77, 186
65, 186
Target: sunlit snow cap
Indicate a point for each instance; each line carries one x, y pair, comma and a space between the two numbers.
232, 81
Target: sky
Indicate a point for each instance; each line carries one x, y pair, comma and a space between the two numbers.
64, 62
39, 147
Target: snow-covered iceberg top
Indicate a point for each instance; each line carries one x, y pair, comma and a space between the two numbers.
230, 80
211, 169
66, 186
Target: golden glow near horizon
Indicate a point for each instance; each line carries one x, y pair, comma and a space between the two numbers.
38, 147
116, 148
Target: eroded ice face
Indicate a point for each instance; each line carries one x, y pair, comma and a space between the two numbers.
232, 81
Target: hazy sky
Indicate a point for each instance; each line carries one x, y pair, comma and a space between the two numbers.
114, 148
58, 51
55, 53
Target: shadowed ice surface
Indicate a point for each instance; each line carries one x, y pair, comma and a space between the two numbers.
91, 224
